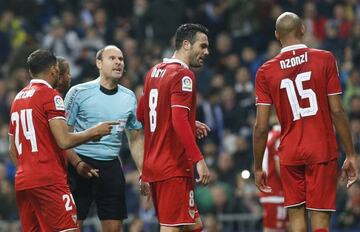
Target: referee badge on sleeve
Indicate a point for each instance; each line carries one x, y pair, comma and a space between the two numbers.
59, 103
186, 84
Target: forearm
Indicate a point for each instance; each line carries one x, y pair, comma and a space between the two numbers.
137, 150
342, 127
72, 157
185, 134
260, 135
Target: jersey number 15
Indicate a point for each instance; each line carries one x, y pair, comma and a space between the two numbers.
304, 94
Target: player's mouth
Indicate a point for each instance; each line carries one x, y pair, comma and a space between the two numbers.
118, 70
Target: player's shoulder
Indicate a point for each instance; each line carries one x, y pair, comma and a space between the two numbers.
320, 52
126, 91
83, 87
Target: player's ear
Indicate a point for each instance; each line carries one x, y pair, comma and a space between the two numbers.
277, 35
98, 63
186, 44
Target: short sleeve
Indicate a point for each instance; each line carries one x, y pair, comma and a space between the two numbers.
71, 106
54, 105
262, 93
333, 85
132, 122
182, 89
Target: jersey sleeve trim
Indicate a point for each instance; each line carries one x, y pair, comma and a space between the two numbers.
263, 104
58, 117
330, 94
181, 106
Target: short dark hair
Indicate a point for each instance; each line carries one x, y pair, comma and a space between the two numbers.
188, 32
40, 60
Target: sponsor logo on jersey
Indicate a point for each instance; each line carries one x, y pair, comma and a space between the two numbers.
59, 103
186, 84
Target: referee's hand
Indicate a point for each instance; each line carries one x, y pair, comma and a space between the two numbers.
86, 171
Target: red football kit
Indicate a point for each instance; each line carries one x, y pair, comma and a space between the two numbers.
298, 82
40, 180
169, 87
274, 213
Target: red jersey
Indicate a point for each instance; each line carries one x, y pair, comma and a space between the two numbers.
41, 161
273, 179
168, 84
298, 82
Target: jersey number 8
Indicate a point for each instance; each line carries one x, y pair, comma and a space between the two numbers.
153, 98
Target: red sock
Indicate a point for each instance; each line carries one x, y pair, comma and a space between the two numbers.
321, 230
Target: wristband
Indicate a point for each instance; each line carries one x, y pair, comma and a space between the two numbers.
77, 164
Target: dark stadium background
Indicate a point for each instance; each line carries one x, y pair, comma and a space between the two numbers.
241, 37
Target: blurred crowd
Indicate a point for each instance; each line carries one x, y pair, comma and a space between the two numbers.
241, 39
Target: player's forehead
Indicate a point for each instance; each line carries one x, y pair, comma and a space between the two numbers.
201, 39
110, 51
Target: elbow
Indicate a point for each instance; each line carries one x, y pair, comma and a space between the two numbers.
337, 113
63, 144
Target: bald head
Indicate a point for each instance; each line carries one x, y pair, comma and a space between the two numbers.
288, 26
99, 54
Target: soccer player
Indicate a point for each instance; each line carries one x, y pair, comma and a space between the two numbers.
64, 75
86, 105
38, 134
303, 85
167, 111
274, 213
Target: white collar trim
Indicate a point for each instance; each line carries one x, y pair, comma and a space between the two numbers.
40, 81
174, 60
293, 47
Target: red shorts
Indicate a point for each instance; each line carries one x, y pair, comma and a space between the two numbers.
174, 201
47, 208
274, 216
314, 185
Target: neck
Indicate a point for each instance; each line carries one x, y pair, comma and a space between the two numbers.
289, 42
180, 55
46, 78
108, 83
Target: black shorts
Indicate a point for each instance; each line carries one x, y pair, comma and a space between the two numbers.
108, 190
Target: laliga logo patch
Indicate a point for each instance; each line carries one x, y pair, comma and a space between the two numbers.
192, 213
59, 103
186, 84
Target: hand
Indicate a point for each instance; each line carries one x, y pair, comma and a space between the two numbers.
201, 129
144, 188
102, 129
349, 171
203, 171
260, 181
86, 171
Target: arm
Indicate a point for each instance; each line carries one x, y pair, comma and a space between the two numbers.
180, 122
260, 134
136, 144
341, 123
66, 139
12, 151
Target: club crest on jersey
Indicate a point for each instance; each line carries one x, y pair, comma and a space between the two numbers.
186, 84
74, 218
192, 213
59, 103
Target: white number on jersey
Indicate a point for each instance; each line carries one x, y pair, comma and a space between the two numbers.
69, 201
153, 98
304, 93
27, 127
